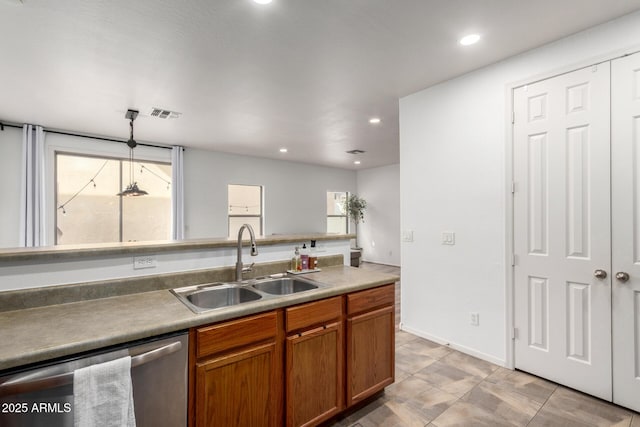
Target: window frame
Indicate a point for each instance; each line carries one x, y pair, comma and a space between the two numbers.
122, 179
80, 145
345, 216
261, 216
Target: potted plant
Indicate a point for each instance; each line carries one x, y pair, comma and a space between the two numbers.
354, 206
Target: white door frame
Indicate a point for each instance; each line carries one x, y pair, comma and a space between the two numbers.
509, 179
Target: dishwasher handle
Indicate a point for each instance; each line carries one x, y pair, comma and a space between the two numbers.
19, 386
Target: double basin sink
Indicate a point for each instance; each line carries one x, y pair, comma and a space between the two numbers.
201, 298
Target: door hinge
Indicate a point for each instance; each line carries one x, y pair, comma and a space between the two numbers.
513, 117
514, 260
513, 187
514, 334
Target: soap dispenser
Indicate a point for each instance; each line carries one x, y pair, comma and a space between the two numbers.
304, 257
295, 261
313, 256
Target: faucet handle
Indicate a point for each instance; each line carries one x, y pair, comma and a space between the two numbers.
247, 269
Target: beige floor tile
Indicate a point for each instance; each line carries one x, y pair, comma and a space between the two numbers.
400, 374
636, 420
503, 403
423, 347
393, 414
425, 401
403, 338
521, 382
570, 408
465, 414
411, 362
448, 378
470, 364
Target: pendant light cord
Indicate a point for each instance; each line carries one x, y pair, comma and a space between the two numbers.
131, 147
92, 180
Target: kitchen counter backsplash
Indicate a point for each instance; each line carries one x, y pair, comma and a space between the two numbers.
52, 295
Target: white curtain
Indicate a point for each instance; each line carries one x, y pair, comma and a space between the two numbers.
32, 197
177, 192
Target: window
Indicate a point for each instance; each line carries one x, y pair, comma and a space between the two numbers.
336, 216
88, 209
245, 207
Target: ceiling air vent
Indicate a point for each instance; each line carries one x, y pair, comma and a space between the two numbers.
161, 113
355, 151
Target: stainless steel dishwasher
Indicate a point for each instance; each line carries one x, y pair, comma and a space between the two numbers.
43, 395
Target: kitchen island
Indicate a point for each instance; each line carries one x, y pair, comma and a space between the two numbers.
97, 319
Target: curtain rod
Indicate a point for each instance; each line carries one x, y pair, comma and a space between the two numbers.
100, 138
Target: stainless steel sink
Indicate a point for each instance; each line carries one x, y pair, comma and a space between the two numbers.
212, 296
215, 295
284, 286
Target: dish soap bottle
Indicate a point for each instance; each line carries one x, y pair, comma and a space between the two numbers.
304, 257
295, 261
313, 256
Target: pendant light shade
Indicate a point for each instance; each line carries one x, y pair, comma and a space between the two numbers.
132, 189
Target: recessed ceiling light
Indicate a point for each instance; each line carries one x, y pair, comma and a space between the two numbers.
262, 1
283, 150
374, 120
469, 39
356, 162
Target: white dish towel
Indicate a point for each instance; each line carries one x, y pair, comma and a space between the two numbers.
103, 395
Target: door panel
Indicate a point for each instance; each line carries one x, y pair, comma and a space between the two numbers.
625, 194
562, 229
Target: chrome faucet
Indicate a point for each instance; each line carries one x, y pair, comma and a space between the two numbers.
240, 268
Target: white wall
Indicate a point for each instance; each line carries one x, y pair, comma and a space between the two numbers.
452, 157
295, 193
10, 161
379, 235
25, 274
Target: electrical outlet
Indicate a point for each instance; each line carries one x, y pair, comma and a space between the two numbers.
448, 238
474, 318
147, 261
407, 235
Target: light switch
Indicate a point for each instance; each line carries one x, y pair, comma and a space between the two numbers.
407, 235
448, 238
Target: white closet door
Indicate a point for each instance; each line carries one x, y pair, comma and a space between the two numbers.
562, 230
625, 193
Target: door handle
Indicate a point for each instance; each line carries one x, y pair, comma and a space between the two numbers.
600, 274
622, 276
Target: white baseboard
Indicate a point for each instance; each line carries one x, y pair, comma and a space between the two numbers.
455, 346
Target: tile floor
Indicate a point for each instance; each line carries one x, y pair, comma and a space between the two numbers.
437, 386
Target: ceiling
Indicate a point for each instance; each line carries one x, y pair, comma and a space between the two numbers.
250, 79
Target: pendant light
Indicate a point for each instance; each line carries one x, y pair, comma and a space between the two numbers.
132, 189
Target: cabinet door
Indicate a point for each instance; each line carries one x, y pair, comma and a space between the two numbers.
314, 375
239, 389
370, 353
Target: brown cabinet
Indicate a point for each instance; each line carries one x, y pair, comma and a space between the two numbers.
236, 379
370, 342
314, 362
288, 366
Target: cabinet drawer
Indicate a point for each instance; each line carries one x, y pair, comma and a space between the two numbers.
313, 313
236, 333
371, 298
